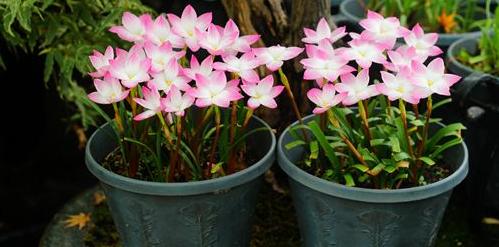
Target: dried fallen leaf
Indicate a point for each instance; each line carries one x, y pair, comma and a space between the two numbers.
99, 197
490, 221
82, 137
77, 220
270, 178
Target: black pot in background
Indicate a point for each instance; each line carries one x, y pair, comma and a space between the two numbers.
476, 97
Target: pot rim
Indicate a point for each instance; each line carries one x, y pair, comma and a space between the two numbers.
452, 58
215, 185
349, 15
365, 194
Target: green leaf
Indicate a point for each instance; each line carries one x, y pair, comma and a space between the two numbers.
441, 103
361, 167
8, 20
24, 14
377, 142
49, 67
417, 122
134, 141
216, 168
445, 146
314, 150
367, 155
294, 144
401, 156
394, 143
401, 134
349, 180
390, 169
376, 170
401, 176
328, 150
47, 3
363, 177
449, 130
427, 160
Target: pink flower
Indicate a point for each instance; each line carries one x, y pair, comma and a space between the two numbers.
432, 78
357, 88
215, 90
399, 87
217, 39
151, 102
365, 52
242, 44
383, 31
161, 55
242, 66
133, 29
401, 58
159, 32
262, 93
101, 62
188, 23
423, 43
323, 31
205, 68
108, 91
324, 98
176, 103
324, 62
169, 77
274, 56
130, 67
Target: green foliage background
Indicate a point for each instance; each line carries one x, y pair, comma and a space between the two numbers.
65, 32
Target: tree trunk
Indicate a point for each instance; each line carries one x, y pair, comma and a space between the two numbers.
281, 22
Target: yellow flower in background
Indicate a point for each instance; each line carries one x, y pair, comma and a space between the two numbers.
447, 22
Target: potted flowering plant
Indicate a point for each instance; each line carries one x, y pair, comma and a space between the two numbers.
379, 174
451, 19
183, 157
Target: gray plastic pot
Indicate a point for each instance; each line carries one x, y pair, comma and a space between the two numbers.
351, 11
214, 212
331, 214
473, 80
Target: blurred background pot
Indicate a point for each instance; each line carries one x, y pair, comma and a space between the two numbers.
475, 99
333, 214
352, 12
215, 212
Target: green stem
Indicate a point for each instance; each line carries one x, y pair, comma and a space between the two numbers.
365, 123
217, 136
231, 166
165, 128
403, 116
247, 118
168, 136
296, 110
429, 106
355, 152
117, 117
173, 163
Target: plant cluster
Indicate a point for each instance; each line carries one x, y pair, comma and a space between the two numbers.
450, 16
177, 117
376, 145
487, 58
64, 32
